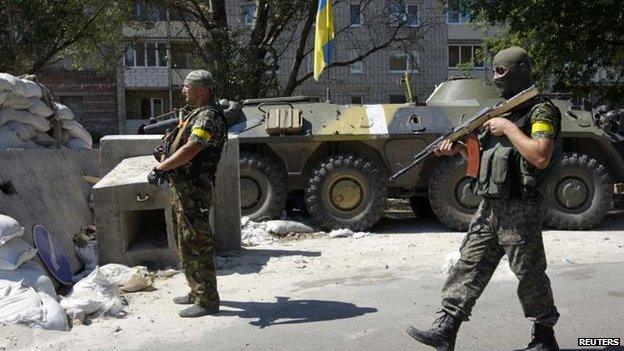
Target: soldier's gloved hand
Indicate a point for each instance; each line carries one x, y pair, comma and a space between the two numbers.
156, 177
159, 152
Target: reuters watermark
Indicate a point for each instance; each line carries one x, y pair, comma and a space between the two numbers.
599, 342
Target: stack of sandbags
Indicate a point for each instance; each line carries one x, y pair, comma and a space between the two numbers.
25, 118
27, 295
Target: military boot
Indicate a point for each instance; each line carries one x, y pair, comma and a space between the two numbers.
543, 339
441, 335
198, 311
184, 300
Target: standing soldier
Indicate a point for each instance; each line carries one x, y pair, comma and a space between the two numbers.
521, 153
192, 154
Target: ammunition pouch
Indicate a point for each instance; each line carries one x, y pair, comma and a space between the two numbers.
494, 176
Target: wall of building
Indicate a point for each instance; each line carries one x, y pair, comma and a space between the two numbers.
91, 96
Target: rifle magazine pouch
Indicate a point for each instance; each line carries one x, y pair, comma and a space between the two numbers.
494, 174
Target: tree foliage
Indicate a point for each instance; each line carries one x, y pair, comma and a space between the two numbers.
244, 59
37, 33
577, 46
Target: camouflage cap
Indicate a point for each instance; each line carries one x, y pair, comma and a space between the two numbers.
200, 77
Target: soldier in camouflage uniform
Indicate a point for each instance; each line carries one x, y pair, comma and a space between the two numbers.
192, 153
520, 154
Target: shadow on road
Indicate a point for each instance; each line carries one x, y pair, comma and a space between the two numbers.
246, 261
286, 311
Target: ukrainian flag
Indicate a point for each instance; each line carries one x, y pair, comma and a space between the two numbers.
323, 37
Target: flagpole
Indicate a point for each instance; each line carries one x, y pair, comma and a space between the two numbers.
328, 89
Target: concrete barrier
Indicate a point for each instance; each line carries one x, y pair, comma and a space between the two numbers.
51, 191
115, 148
134, 218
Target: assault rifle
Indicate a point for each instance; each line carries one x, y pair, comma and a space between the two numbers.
466, 132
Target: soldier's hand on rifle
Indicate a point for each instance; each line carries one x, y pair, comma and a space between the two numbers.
157, 177
448, 148
498, 126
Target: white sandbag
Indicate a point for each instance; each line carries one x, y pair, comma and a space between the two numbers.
24, 131
11, 83
32, 89
20, 305
39, 108
77, 144
76, 130
31, 275
9, 139
281, 227
43, 138
9, 229
63, 112
14, 253
54, 316
129, 279
93, 294
16, 102
39, 123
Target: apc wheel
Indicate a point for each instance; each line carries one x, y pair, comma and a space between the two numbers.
346, 191
581, 197
450, 194
262, 187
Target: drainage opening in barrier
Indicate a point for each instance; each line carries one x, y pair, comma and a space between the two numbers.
145, 229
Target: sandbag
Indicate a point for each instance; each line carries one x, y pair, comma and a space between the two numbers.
24, 131
76, 143
44, 139
54, 316
14, 253
63, 112
39, 123
11, 84
20, 305
76, 130
32, 89
93, 294
9, 139
9, 229
31, 275
39, 108
129, 279
16, 102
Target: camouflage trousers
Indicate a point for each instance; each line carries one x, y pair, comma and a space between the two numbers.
191, 203
503, 227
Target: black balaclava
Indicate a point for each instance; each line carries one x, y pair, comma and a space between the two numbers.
518, 76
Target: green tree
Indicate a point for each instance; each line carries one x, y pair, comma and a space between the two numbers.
577, 46
38, 33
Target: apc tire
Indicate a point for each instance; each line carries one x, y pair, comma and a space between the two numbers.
588, 187
346, 191
452, 202
263, 190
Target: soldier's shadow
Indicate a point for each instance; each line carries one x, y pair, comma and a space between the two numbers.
287, 311
246, 261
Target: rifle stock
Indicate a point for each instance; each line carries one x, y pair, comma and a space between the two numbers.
467, 128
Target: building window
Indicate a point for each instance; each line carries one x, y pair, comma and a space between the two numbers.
402, 62
248, 13
397, 99
149, 54
183, 58
142, 11
454, 15
403, 14
356, 100
355, 15
465, 54
356, 67
151, 107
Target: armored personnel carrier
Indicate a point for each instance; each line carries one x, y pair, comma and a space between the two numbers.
340, 158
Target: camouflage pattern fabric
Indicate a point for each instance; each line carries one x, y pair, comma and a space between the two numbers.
191, 204
503, 227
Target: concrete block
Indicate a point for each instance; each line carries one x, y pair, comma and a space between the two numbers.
115, 148
50, 191
134, 218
